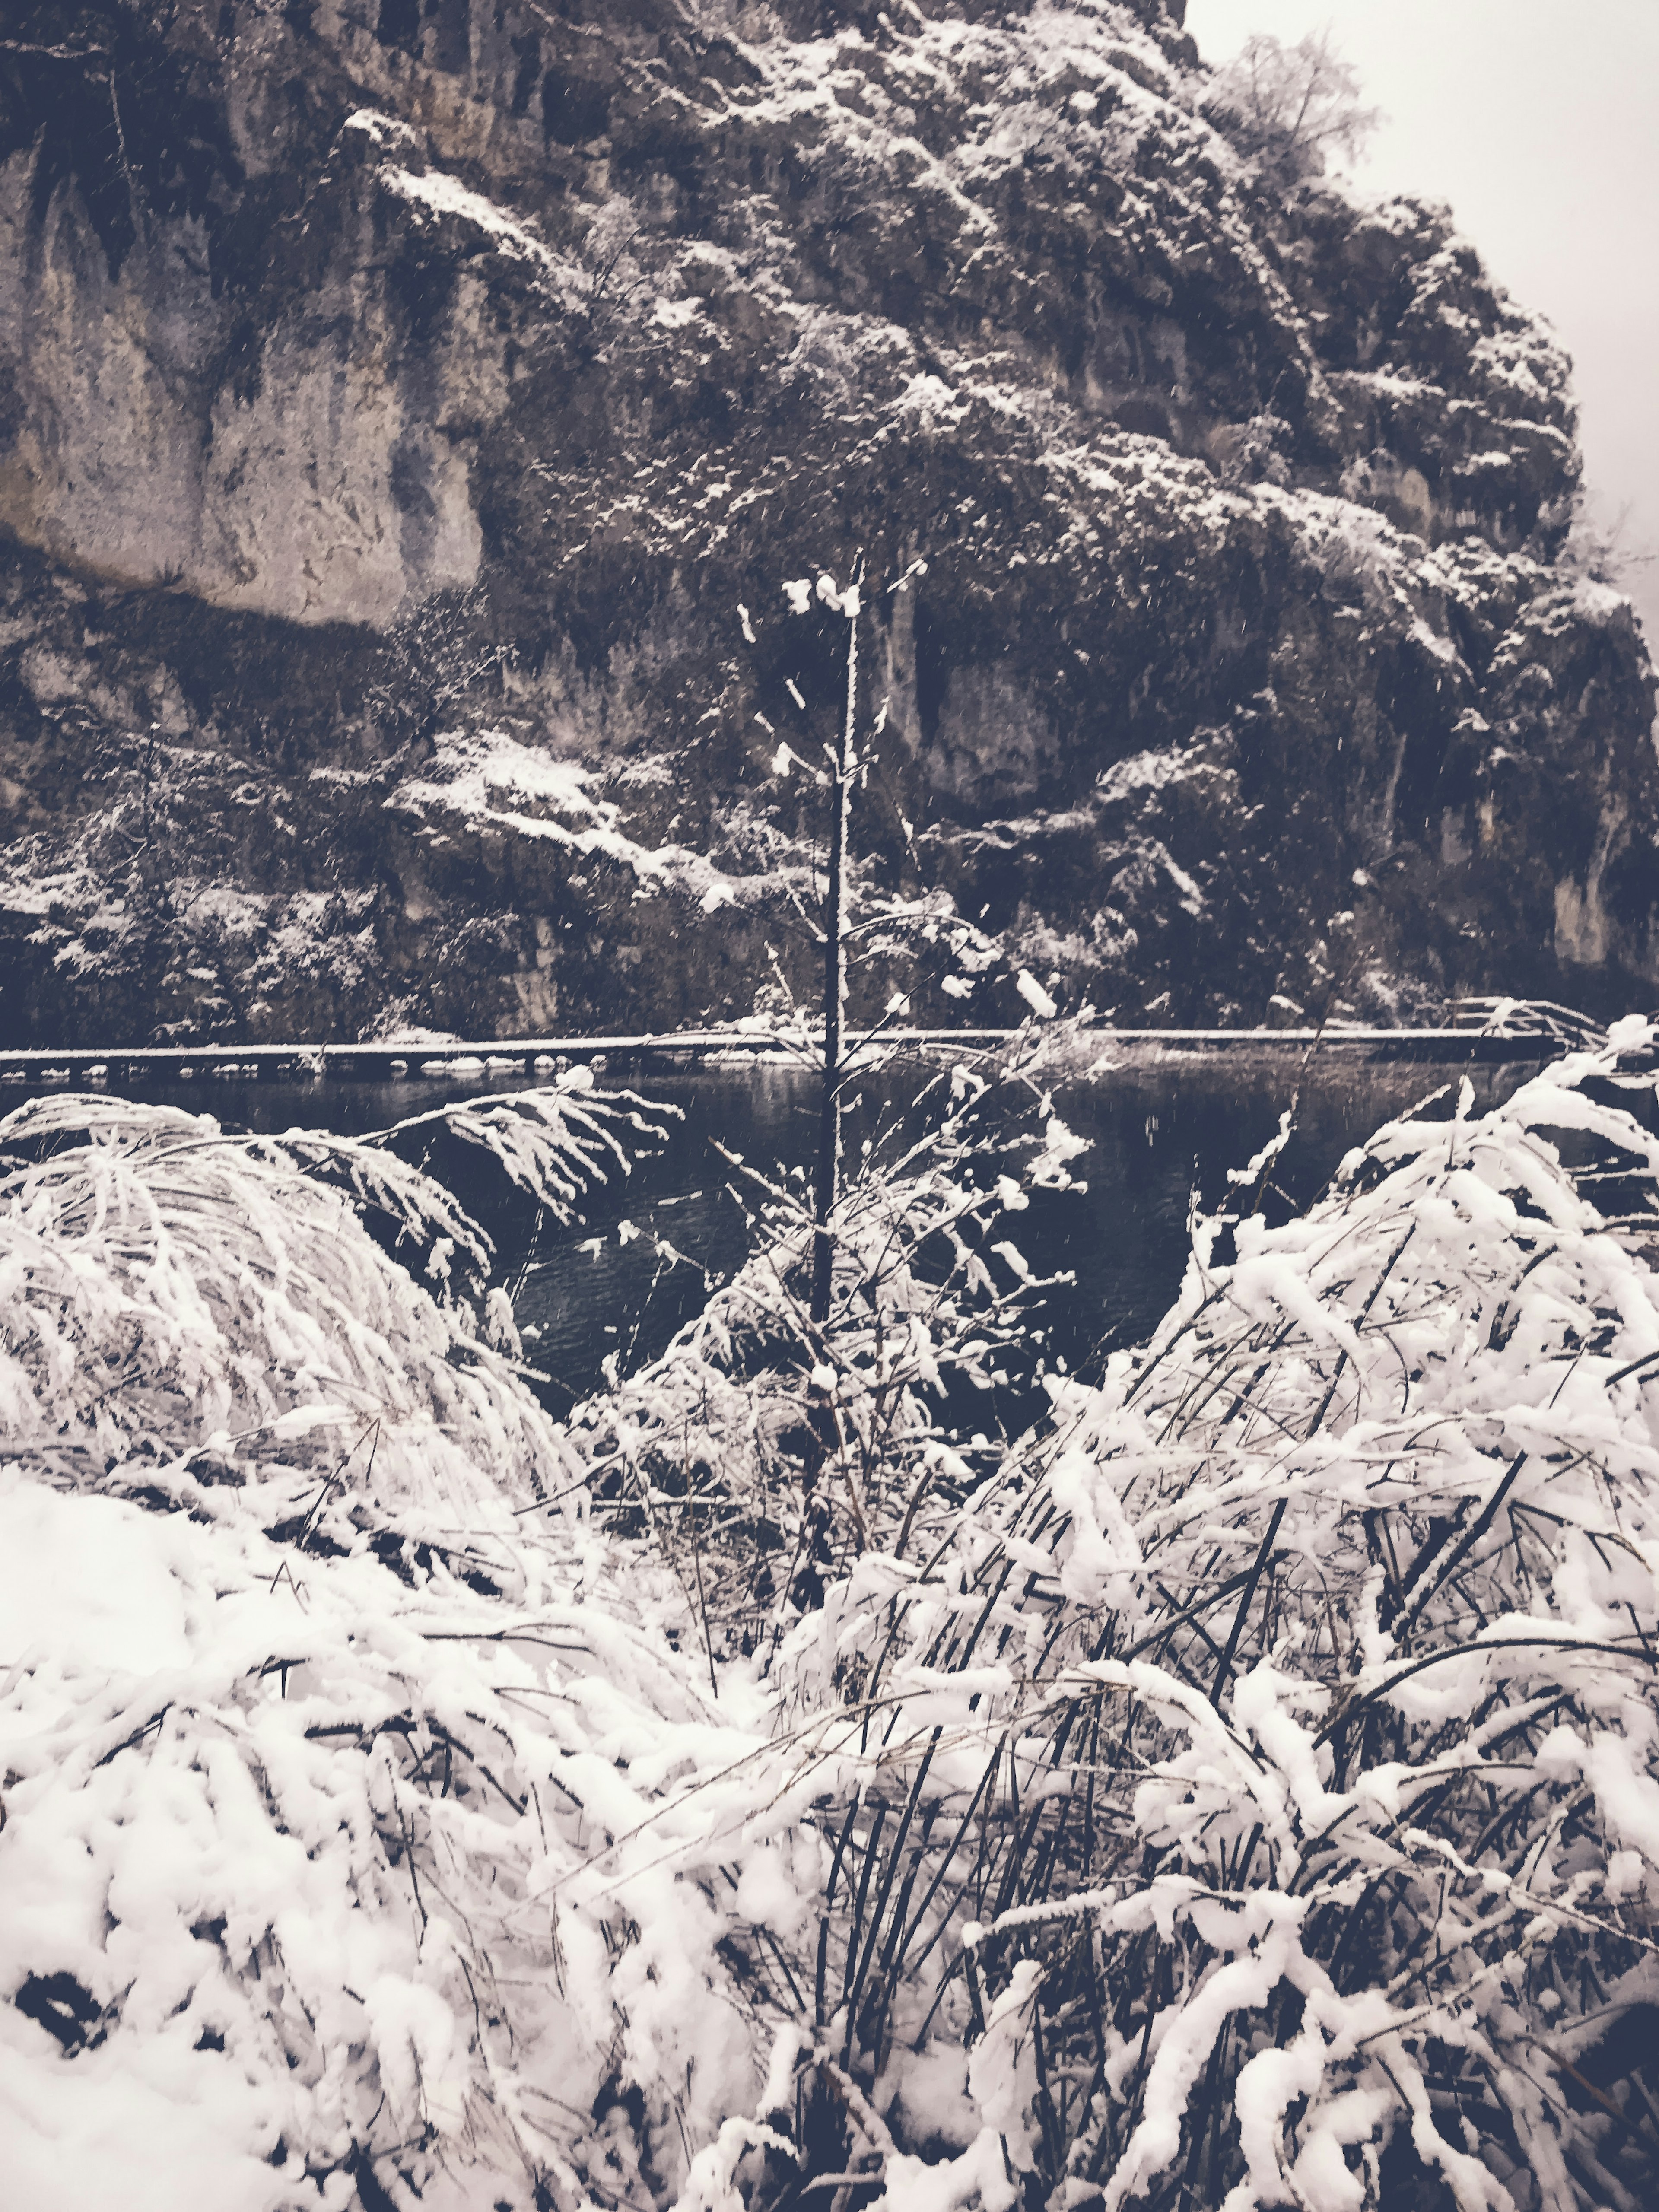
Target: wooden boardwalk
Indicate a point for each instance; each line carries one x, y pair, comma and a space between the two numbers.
531, 1057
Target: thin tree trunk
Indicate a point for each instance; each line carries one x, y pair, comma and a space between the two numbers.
835, 987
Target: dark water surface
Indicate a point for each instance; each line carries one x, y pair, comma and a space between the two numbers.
1159, 1123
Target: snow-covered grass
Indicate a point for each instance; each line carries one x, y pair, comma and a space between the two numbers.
1304, 1674
1239, 1789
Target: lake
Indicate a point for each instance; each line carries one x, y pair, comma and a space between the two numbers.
1160, 1122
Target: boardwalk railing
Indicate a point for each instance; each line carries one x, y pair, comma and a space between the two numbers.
1467, 1041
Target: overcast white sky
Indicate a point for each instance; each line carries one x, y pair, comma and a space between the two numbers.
1539, 121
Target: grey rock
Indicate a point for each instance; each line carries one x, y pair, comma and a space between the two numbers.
398, 405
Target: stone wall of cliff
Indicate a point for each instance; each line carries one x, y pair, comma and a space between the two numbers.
411, 411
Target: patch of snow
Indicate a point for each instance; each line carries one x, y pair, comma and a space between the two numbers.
1035, 996
435, 194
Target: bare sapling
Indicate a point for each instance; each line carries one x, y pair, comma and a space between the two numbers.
844, 768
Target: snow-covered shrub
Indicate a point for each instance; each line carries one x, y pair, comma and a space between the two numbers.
767, 1450
1261, 1775
337, 1771
181, 1307
1240, 1789
298, 1881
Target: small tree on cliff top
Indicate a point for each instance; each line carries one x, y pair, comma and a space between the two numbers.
1292, 108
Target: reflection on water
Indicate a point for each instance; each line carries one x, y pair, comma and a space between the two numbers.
1158, 1126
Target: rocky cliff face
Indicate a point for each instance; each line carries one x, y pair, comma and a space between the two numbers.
411, 411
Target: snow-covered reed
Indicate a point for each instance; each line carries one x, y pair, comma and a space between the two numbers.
179, 1305
1239, 1789
1262, 1777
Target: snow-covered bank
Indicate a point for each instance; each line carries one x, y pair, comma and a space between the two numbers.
313, 1713
1248, 1795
